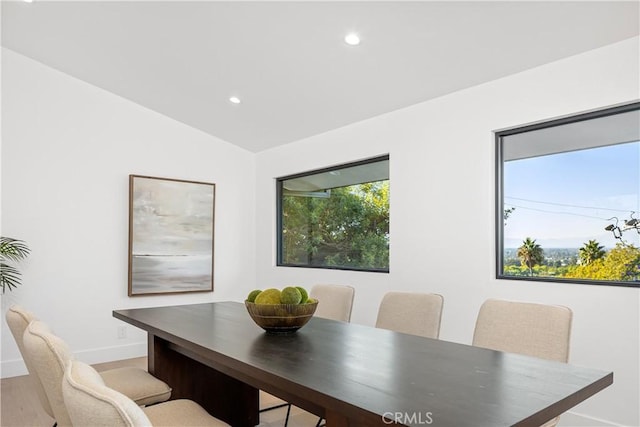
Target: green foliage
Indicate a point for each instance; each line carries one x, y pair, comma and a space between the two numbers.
516, 270
348, 229
621, 263
11, 250
538, 270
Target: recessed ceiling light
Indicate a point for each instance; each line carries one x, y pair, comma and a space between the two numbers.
234, 100
352, 39
28, 1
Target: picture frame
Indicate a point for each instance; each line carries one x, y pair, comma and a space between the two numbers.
171, 236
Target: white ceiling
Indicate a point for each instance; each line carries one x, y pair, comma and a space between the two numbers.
288, 62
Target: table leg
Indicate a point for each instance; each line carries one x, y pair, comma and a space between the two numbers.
222, 396
334, 419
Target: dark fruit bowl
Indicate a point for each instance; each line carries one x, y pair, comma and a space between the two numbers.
281, 318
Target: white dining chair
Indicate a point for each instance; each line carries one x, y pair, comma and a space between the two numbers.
334, 301
18, 319
531, 329
411, 313
138, 384
90, 402
49, 354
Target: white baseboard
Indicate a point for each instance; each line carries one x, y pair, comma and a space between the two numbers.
573, 419
16, 367
109, 354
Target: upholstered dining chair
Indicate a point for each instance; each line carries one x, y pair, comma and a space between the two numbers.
536, 330
48, 355
411, 313
141, 386
334, 301
18, 319
90, 402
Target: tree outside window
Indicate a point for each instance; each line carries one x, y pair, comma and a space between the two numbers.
336, 218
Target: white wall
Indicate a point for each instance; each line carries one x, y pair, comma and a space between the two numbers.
442, 212
67, 151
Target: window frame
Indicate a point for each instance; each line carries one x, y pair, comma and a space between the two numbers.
499, 214
279, 221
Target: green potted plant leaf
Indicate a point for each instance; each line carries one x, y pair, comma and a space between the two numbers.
11, 251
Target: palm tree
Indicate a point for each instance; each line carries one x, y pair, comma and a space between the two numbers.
11, 250
591, 251
530, 254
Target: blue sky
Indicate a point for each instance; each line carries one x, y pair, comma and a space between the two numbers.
563, 200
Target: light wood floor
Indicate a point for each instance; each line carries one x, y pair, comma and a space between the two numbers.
20, 406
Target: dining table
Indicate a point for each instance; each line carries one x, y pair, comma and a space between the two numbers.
351, 374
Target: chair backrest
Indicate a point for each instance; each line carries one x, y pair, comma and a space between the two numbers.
49, 356
18, 319
411, 313
91, 403
537, 330
334, 301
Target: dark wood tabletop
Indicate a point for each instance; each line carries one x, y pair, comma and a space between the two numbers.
356, 375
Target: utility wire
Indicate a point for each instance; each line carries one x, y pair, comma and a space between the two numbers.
556, 212
566, 205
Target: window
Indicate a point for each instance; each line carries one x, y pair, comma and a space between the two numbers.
336, 217
568, 199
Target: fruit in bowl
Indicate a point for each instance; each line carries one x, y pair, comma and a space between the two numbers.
280, 311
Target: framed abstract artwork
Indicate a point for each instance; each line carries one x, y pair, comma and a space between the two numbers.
171, 232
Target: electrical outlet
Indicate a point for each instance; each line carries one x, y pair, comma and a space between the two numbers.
122, 332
